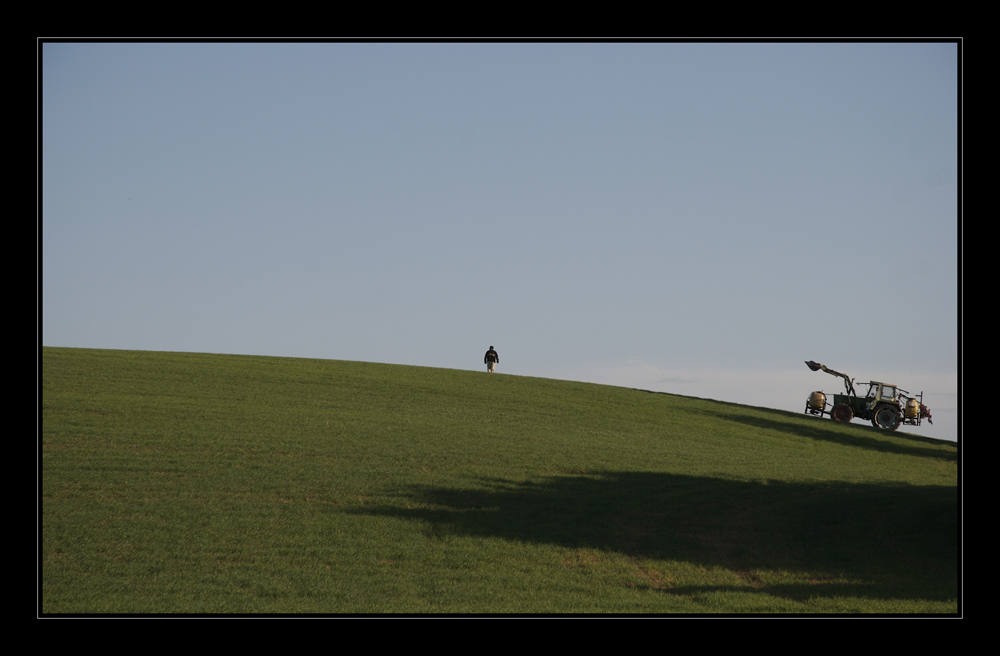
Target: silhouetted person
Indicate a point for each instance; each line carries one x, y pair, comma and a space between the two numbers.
491, 359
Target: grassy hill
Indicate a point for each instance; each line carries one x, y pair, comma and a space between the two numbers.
193, 483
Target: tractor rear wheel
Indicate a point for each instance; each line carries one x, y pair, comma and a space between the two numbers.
842, 412
887, 417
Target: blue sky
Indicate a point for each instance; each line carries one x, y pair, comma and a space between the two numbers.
694, 218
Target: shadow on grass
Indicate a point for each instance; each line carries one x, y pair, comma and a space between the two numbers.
851, 434
895, 541
854, 434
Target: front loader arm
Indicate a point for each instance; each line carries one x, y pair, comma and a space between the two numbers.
848, 385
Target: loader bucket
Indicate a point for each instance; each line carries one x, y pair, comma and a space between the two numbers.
815, 366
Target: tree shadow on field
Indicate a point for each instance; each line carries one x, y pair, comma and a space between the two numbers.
899, 539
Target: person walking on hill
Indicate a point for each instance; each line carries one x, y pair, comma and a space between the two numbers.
491, 359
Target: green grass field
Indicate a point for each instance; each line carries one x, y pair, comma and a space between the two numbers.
193, 483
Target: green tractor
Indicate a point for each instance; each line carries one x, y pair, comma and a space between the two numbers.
886, 406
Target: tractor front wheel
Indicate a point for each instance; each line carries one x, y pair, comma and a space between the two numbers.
842, 412
887, 417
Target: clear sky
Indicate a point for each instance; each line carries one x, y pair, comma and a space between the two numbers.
694, 218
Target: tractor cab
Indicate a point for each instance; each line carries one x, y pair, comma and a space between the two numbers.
880, 392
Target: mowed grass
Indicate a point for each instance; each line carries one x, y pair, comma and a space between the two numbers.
193, 483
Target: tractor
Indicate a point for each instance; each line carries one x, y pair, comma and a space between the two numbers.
886, 406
